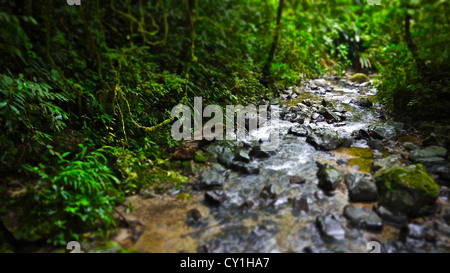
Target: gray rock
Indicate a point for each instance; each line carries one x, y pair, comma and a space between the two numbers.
300, 130
395, 219
329, 115
307, 102
297, 180
363, 218
432, 157
376, 144
383, 131
329, 177
330, 228
432, 151
325, 139
361, 187
215, 197
268, 196
365, 102
411, 146
213, 178
300, 204
258, 152
226, 157
433, 140
420, 232
243, 156
444, 172
383, 164
245, 168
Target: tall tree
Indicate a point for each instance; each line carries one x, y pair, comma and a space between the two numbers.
266, 70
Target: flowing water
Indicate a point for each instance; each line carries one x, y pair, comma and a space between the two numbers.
247, 223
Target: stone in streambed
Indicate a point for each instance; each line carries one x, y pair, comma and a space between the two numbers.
330, 228
363, 218
329, 177
361, 187
376, 144
300, 130
325, 139
213, 178
215, 198
408, 190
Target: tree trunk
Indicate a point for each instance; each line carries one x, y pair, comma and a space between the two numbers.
266, 70
421, 66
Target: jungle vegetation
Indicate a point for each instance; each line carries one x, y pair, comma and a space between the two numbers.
86, 91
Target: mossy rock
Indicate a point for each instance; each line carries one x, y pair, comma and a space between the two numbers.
200, 158
359, 78
408, 190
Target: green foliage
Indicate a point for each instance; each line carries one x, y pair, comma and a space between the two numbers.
77, 194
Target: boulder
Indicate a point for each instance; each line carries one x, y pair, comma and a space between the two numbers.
363, 218
365, 102
330, 228
408, 190
383, 131
359, 78
361, 188
329, 177
325, 139
300, 130
376, 144
212, 179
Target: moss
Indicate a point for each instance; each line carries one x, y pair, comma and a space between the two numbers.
414, 176
200, 158
359, 78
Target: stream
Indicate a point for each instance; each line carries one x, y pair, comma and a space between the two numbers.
273, 203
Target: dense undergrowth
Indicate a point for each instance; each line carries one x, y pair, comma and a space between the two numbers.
86, 91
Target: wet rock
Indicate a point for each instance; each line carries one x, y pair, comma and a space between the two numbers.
361, 187
321, 82
390, 143
395, 219
307, 102
243, 156
296, 180
408, 190
213, 178
376, 144
246, 205
330, 228
411, 146
325, 140
258, 152
299, 205
313, 85
419, 232
268, 196
216, 197
363, 218
295, 117
300, 130
194, 218
432, 151
444, 172
329, 177
361, 134
226, 158
328, 115
383, 131
383, 164
245, 168
433, 140
446, 216
432, 157
365, 102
